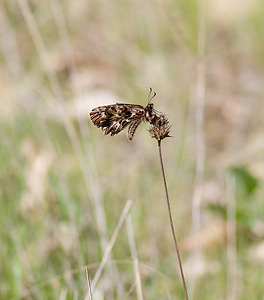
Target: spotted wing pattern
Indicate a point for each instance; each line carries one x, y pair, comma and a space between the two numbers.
132, 128
114, 118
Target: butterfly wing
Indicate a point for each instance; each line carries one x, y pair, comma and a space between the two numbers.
132, 128
114, 118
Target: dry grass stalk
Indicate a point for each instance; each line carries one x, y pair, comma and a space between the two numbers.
111, 243
89, 284
133, 251
160, 130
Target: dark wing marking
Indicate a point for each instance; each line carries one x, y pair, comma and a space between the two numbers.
114, 118
132, 128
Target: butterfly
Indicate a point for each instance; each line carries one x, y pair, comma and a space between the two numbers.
114, 118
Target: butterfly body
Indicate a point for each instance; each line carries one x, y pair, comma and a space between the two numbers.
114, 118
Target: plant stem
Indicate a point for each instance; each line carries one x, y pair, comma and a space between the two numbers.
89, 284
171, 222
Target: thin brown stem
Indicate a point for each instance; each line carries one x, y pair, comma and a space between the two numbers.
171, 222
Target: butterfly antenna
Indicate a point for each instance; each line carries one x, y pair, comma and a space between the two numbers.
150, 91
149, 96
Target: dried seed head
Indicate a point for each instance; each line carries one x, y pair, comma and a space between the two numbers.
160, 128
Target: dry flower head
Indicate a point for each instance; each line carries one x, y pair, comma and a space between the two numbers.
160, 128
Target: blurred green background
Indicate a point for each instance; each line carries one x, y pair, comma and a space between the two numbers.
63, 185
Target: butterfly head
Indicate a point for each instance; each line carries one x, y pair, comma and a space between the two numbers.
150, 115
